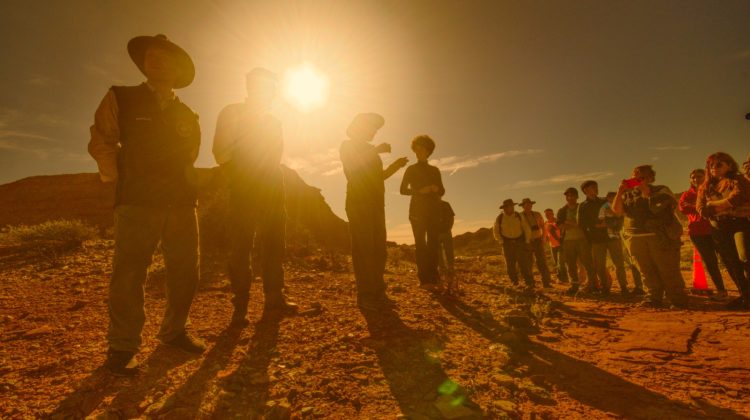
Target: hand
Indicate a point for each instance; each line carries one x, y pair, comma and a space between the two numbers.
623, 186
645, 189
383, 148
400, 162
428, 189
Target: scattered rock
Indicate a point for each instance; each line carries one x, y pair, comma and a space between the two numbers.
38, 332
505, 405
696, 395
77, 305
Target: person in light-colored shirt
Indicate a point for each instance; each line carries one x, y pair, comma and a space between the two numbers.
513, 233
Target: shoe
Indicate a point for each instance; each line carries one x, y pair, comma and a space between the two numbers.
738, 303
188, 343
547, 285
239, 320
121, 363
572, 290
624, 292
720, 294
605, 292
376, 304
280, 306
637, 292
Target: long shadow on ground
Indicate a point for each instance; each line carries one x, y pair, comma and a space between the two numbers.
129, 391
247, 388
585, 382
417, 381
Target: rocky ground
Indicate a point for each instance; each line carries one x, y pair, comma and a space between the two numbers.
494, 352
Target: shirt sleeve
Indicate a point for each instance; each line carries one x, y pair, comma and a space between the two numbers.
223, 145
406, 183
496, 230
104, 144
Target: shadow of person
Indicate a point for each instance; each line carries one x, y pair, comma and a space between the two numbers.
247, 388
582, 381
410, 362
186, 400
128, 391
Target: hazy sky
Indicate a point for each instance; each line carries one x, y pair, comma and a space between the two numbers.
524, 98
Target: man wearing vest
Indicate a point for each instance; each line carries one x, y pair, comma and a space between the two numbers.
514, 234
248, 145
575, 245
538, 238
146, 140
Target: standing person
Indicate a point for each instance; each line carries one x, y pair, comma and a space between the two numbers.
652, 234
724, 198
146, 140
445, 240
596, 233
554, 235
614, 231
538, 238
248, 145
513, 233
365, 206
575, 245
424, 184
700, 230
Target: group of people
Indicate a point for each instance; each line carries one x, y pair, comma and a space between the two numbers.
638, 222
146, 141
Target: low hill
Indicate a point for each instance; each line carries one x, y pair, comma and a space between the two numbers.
83, 196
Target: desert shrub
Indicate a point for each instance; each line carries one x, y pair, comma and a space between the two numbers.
67, 232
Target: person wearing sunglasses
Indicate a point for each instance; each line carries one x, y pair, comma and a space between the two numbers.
724, 199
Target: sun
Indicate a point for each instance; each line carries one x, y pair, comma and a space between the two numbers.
305, 87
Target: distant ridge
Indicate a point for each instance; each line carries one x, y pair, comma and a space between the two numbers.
83, 196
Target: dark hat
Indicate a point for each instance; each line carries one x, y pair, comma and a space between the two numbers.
571, 190
527, 200
365, 123
137, 49
507, 202
588, 183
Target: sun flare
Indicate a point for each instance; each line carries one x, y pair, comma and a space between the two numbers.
305, 87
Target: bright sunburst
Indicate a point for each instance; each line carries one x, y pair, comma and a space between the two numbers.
305, 87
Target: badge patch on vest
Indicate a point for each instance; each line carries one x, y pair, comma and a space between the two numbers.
184, 128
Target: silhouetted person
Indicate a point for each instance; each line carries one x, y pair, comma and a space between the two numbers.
575, 245
365, 206
724, 198
424, 184
513, 233
614, 231
248, 145
538, 238
601, 244
653, 235
146, 140
445, 241
700, 230
554, 236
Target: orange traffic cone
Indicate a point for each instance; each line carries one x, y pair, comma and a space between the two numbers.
700, 285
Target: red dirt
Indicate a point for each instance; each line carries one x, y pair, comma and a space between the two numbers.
430, 358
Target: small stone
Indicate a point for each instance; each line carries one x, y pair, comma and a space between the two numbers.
695, 395
505, 405
306, 411
733, 394
36, 332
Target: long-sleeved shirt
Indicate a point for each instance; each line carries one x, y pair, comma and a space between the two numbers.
536, 224
511, 226
646, 215
416, 177
553, 233
104, 144
730, 197
697, 224
588, 220
363, 169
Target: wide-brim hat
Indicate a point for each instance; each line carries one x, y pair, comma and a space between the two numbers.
525, 201
137, 49
507, 202
365, 124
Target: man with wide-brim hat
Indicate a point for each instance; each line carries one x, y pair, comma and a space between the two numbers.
575, 245
146, 140
538, 238
513, 233
365, 206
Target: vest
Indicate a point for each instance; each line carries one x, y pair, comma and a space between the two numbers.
499, 221
157, 147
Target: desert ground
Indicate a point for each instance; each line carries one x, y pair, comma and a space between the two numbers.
493, 352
